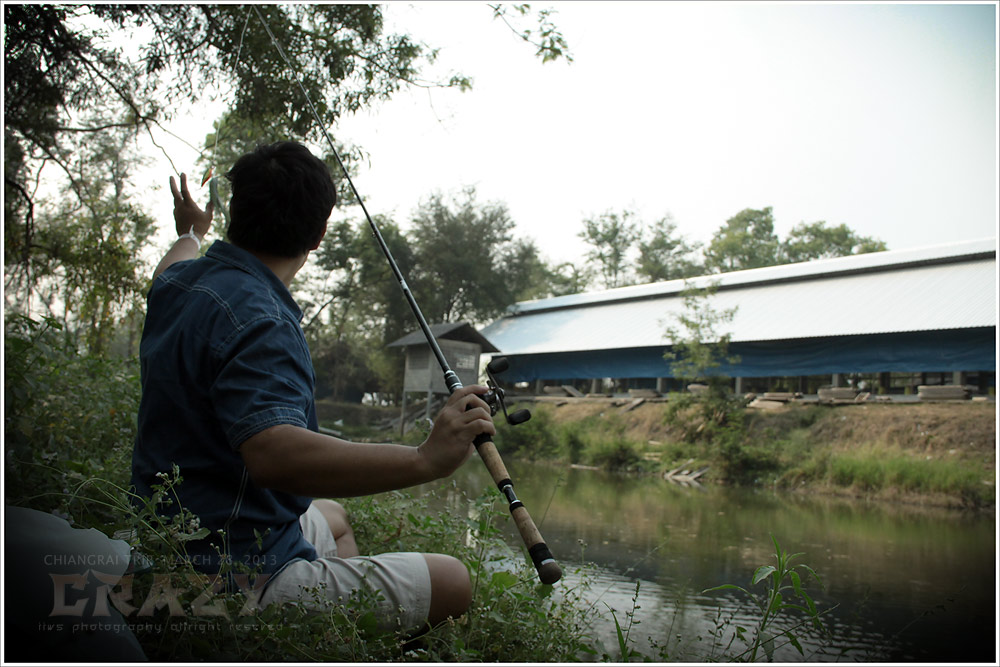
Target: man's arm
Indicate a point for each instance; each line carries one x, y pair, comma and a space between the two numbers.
299, 461
189, 219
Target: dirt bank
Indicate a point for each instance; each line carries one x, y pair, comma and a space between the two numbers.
967, 427
802, 439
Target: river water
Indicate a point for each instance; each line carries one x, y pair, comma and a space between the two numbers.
901, 583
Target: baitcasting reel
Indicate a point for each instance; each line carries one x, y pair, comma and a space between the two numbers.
494, 397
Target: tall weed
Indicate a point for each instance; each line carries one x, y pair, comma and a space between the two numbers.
69, 429
67, 418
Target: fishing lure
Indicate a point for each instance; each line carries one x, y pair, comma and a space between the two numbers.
213, 193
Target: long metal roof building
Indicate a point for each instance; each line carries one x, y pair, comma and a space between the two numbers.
924, 309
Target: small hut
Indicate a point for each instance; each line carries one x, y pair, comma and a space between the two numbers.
461, 344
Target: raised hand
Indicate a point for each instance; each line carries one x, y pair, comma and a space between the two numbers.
188, 216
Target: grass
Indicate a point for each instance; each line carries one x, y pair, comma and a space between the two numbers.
941, 454
69, 429
882, 469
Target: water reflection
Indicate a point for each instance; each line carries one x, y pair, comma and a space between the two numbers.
907, 584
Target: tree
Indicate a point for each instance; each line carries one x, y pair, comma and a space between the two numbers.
71, 79
568, 278
353, 306
817, 241
460, 262
71, 89
746, 241
698, 343
611, 236
468, 266
548, 41
666, 255
81, 261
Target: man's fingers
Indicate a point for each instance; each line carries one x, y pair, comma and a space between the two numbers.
173, 189
185, 195
466, 397
476, 422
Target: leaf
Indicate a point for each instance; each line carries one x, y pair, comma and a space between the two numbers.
812, 572
725, 587
795, 642
621, 638
796, 582
503, 580
777, 547
762, 573
809, 602
367, 622
197, 535
767, 641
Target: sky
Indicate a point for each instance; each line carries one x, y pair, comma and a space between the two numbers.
879, 116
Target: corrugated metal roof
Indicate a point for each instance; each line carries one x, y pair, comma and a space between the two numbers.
943, 287
461, 331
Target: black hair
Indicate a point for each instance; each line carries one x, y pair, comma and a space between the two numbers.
282, 199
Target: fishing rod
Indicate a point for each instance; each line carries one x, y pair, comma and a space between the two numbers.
549, 571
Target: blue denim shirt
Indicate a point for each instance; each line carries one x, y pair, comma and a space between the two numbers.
223, 357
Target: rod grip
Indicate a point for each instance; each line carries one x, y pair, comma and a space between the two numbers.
549, 571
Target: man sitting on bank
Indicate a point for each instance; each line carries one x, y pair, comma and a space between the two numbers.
227, 395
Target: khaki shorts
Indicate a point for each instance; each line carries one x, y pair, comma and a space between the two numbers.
401, 579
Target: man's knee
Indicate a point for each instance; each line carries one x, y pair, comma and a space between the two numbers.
451, 588
334, 513
340, 526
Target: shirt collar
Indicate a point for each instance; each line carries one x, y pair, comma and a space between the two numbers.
244, 260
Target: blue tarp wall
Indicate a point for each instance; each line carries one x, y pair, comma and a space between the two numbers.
911, 352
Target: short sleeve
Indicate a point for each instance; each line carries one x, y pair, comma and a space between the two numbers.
265, 379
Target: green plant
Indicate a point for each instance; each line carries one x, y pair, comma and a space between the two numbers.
67, 417
626, 652
535, 439
70, 423
513, 618
778, 580
572, 437
698, 348
617, 456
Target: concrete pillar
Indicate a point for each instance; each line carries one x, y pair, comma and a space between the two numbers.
739, 386
539, 384
661, 385
958, 377
835, 380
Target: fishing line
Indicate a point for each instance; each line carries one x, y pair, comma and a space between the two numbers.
549, 571
210, 177
451, 379
218, 130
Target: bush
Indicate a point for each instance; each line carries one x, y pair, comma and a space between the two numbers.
719, 423
614, 456
67, 417
533, 440
70, 426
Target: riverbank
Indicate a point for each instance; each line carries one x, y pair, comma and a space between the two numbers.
935, 454
926, 453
